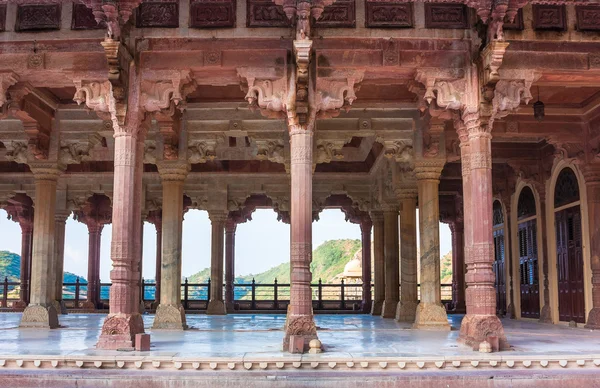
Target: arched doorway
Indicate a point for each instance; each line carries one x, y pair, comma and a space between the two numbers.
528, 254
499, 255
571, 298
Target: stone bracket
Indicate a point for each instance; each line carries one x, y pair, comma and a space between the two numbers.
167, 91
335, 95
266, 89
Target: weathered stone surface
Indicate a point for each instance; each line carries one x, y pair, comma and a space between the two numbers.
163, 14
262, 13
39, 316
549, 17
169, 317
388, 15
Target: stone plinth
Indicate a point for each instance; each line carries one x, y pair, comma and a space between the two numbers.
169, 317
119, 330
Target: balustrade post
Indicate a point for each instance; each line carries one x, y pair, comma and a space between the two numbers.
185, 294
342, 295
275, 304
253, 294
5, 293
208, 290
320, 292
77, 292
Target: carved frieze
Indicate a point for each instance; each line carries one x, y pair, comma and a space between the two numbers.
328, 150
32, 17
163, 14
446, 16
83, 18
202, 151
549, 17
16, 151
265, 13
271, 150
2, 17
73, 152
388, 15
212, 14
588, 18
340, 14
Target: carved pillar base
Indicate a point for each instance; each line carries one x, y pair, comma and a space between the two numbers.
88, 306
303, 326
406, 311
388, 309
477, 328
593, 321
169, 317
377, 307
119, 330
545, 314
39, 316
431, 316
19, 305
216, 307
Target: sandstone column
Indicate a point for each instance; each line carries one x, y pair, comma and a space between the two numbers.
26, 248
481, 320
392, 263
41, 311
407, 306
230, 227
216, 305
431, 314
365, 229
378, 263
170, 313
60, 218
592, 180
124, 320
155, 217
138, 223
93, 274
458, 266
300, 320
546, 311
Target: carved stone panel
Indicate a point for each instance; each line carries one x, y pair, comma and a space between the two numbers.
446, 16
32, 17
2, 17
549, 17
83, 18
212, 14
261, 13
341, 14
157, 14
588, 18
383, 15
517, 24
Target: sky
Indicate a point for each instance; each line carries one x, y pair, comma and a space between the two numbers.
261, 243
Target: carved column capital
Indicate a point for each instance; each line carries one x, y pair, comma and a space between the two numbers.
173, 170
429, 169
376, 216
46, 171
217, 217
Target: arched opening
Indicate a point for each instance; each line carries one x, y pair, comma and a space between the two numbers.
569, 254
528, 254
499, 256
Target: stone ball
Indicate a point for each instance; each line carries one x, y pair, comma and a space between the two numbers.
485, 347
315, 344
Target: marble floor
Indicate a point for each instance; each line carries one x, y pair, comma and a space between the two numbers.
246, 336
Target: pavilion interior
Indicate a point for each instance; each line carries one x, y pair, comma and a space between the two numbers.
391, 104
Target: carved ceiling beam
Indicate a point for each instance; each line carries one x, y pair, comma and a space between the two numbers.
35, 115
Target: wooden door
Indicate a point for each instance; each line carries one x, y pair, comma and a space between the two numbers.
571, 299
500, 282
528, 266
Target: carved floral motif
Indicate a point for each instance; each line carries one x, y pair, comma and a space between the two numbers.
340, 14
393, 15
266, 14
549, 17
212, 14
158, 14
446, 16
588, 18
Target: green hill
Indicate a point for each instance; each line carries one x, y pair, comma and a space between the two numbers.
328, 261
10, 267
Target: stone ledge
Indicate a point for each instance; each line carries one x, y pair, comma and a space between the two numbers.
306, 362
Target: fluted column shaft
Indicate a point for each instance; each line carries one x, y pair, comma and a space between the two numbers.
481, 320
216, 305
378, 263
41, 312
124, 319
93, 287
365, 229
430, 313
300, 321
230, 228
592, 180
59, 257
26, 249
392, 263
170, 313
458, 266
408, 261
